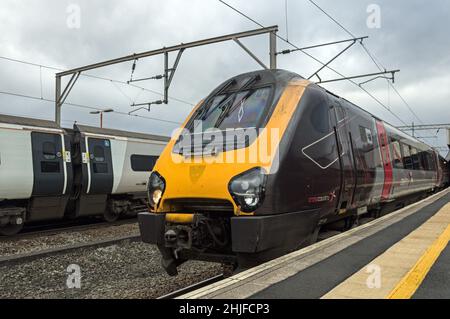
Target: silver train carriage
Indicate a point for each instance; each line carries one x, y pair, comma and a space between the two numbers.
50, 173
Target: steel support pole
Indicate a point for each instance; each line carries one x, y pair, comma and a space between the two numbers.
287, 51
250, 53
174, 67
272, 30
165, 50
357, 76
273, 49
166, 77
334, 58
57, 100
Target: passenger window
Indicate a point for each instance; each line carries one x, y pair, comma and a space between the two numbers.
397, 161
407, 161
366, 135
430, 159
49, 150
340, 113
415, 159
142, 163
49, 167
424, 160
99, 153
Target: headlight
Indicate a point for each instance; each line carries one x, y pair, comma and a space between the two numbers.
248, 189
155, 189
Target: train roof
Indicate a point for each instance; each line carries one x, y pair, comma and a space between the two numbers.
26, 121
114, 132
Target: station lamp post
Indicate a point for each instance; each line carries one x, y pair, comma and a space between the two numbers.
101, 114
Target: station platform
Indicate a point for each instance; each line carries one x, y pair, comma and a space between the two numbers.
402, 255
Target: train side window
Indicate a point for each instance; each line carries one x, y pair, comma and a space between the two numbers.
49, 150
424, 160
415, 159
340, 112
366, 135
99, 153
407, 161
320, 118
50, 167
431, 165
397, 160
142, 163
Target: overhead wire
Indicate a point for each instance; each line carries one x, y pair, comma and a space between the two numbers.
84, 106
317, 60
377, 63
379, 66
113, 81
94, 77
371, 56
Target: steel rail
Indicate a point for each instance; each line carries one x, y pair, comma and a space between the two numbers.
35, 255
53, 229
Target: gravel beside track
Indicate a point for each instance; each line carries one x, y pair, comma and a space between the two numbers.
128, 270
33, 243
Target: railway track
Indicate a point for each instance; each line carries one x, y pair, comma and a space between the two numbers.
53, 229
169, 290
185, 290
31, 256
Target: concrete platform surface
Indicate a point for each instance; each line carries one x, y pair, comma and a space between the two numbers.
401, 255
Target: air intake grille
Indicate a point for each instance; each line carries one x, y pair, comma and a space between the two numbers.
201, 205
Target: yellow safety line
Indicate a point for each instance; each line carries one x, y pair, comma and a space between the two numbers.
412, 280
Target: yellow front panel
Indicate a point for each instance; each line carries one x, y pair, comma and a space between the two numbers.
204, 177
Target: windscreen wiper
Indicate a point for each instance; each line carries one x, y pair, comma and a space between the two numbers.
246, 85
249, 82
202, 111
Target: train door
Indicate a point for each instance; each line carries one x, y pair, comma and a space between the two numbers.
385, 159
100, 166
346, 158
50, 173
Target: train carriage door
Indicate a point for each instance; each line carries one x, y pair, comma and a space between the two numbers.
100, 166
386, 160
346, 157
48, 165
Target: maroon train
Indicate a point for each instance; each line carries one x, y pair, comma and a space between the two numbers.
337, 162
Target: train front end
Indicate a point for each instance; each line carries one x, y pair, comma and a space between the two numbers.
209, 187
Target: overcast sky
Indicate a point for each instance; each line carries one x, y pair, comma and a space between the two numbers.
412, 36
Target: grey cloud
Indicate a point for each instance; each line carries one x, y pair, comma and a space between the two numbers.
412, 37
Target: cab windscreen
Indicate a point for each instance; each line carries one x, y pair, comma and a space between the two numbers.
242, 109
